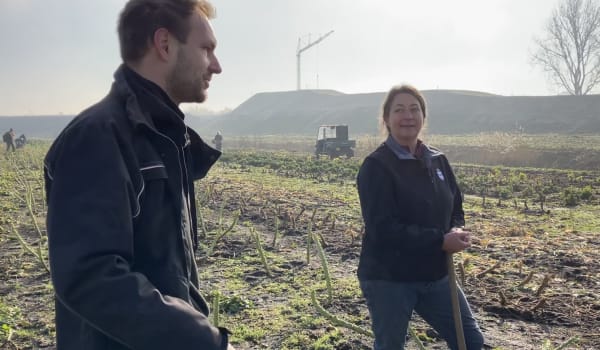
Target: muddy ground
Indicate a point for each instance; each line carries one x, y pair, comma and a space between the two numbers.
531, 277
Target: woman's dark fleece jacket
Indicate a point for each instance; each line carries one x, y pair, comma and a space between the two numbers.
408, 203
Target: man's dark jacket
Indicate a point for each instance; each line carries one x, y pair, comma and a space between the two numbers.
408, 203
121, 257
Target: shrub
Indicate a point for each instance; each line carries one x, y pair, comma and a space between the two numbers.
571, 197
586, 192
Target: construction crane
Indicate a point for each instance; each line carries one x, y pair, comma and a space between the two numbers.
300, 50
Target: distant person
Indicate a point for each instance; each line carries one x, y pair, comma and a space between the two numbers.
9, 139
120, 189
218, 141
21, 141
412, 209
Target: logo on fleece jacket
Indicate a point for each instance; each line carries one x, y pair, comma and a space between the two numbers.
439, 174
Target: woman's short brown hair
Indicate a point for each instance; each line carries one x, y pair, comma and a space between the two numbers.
140, 19
389, 98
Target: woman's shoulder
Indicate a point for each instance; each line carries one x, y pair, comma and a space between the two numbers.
376, 157
432, 151
380, 153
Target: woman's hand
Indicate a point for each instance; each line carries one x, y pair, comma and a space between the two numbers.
456, 240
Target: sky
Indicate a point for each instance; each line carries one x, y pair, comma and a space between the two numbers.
59, 56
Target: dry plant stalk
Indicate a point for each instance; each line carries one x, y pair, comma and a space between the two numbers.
292, 219
335, 320
325, 219
350, 232
526, 280
308, 242
538, 305
325, 269
333, 218
297, 218
201, 223
321, 239
222, 231
242, 205
314, 214
276, 233
263, 212
486, 271
544, 285
462, 275
215, 309
503, 300
570, 341
261, 252
27, 247
415, 336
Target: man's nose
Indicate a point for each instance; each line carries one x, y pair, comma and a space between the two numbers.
215, 66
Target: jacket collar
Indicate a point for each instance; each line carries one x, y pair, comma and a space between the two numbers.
144, 110
146, 103
423, 150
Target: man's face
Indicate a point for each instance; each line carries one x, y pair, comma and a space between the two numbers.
195, 64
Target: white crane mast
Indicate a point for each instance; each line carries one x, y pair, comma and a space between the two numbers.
302, 49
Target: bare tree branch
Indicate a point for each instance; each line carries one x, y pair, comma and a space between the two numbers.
570, 52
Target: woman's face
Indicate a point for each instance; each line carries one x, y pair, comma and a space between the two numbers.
405, 119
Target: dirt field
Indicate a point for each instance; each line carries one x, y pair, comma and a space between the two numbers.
531, 277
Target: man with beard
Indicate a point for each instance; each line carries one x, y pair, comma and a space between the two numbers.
119, 181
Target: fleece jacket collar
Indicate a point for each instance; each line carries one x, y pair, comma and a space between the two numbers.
424, 152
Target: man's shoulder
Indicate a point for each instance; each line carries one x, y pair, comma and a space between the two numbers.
99, 116
94, 125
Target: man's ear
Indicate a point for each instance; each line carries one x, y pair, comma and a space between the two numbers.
161, 42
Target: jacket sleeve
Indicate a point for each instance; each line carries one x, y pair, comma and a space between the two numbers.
458, 215
380, 213
91, 202
203, 156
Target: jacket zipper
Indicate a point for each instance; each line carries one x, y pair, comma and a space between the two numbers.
181, 169
188, 206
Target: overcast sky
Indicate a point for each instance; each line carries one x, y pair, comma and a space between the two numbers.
59, 56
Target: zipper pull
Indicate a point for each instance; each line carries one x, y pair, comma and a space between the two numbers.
187, 139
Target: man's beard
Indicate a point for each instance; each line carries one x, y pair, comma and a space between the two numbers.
184, 83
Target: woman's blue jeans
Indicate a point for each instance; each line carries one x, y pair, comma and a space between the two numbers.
391, 305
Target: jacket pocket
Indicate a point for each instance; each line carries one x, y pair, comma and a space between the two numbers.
153, 171
150, 173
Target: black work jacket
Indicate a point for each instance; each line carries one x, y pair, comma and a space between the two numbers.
408, 205
122, 264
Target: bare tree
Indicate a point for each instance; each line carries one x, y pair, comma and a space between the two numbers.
570, 52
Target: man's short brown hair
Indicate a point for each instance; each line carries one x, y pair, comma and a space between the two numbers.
140, 19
